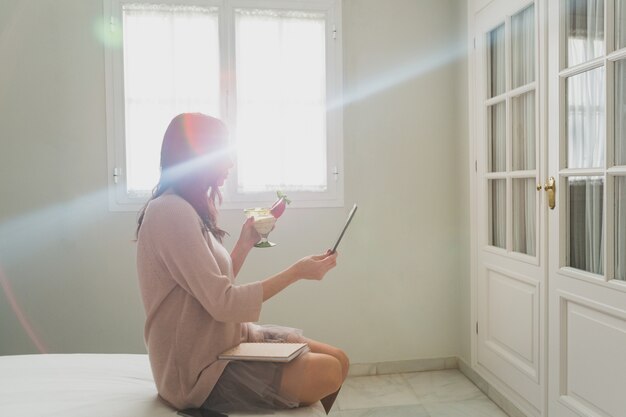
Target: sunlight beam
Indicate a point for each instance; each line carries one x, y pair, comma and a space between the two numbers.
24, 322
401, 74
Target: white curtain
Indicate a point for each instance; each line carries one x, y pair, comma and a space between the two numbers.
524, 213
620, 228
523, 123
496, 58
171, 66
524, 157
620, 151
620, 112
498, 213
497, 139
523, 47
281, 100
585, 26
498, 164
620, 23
586, 147
585, 217
586, 119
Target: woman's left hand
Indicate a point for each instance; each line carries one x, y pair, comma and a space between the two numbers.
249, 236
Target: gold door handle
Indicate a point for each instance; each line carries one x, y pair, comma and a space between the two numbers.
550, 188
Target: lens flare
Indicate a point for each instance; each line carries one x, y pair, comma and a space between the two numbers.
108, 33
194, 165
197, 129
10, 296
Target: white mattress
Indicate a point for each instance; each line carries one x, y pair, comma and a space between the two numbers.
89, 385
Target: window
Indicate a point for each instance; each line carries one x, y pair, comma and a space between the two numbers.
268, 68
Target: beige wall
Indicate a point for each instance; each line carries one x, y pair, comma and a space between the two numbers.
401, 290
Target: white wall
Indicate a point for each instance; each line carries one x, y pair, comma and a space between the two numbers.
401, 288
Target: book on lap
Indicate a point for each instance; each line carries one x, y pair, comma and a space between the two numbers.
268, 352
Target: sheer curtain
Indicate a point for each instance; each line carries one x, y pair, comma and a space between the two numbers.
171, 66
620, 152
620, 23
620, 112
524, 209
586, 135
524, 191
281, 100
620, 228
497, 138
523, 123
496, 58
498, 213
585, 21
523, 47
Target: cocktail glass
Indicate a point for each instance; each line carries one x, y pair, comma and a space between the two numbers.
263, 223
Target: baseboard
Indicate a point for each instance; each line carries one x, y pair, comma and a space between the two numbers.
438, 364
395, 367
490, 391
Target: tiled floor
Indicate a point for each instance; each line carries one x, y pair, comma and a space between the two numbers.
419, 394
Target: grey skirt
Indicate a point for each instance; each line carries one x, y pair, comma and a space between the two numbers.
251, 386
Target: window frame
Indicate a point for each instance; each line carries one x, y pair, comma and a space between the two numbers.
120, 200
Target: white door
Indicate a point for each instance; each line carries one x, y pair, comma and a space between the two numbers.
587, 268
510, 254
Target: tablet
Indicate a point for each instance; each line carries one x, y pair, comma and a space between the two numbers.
350, 216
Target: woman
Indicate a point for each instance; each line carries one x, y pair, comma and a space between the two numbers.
195, 311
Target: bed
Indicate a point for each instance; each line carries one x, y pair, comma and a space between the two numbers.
93, 385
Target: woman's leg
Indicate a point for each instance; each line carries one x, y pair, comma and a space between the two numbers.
340, 355
311, 377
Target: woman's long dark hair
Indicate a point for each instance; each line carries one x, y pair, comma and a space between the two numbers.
189, 136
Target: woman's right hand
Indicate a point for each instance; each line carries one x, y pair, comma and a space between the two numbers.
310, 267
314, 267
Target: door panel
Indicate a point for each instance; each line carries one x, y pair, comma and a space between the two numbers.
587, 233
510, 273
593, 371
517, 344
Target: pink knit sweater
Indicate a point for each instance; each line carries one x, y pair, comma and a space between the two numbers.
194, 311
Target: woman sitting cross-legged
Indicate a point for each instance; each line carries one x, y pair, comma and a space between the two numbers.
194, 308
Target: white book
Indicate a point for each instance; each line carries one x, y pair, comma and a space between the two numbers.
269, 352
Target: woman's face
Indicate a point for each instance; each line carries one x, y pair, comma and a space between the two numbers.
224, 164
219, 163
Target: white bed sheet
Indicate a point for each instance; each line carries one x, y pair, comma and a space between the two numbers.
90, 385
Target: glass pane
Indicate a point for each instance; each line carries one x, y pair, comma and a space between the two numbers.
497, 213
281, 100
620, 112
524, 132
586, 109
164, 75
586, 240
524, 198
495, 40
620, 228
585, 30
620, 24
497, 137
523, 47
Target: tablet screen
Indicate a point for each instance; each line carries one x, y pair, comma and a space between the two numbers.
350, 216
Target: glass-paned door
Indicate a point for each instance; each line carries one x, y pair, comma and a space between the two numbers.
510, 264
587, 237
